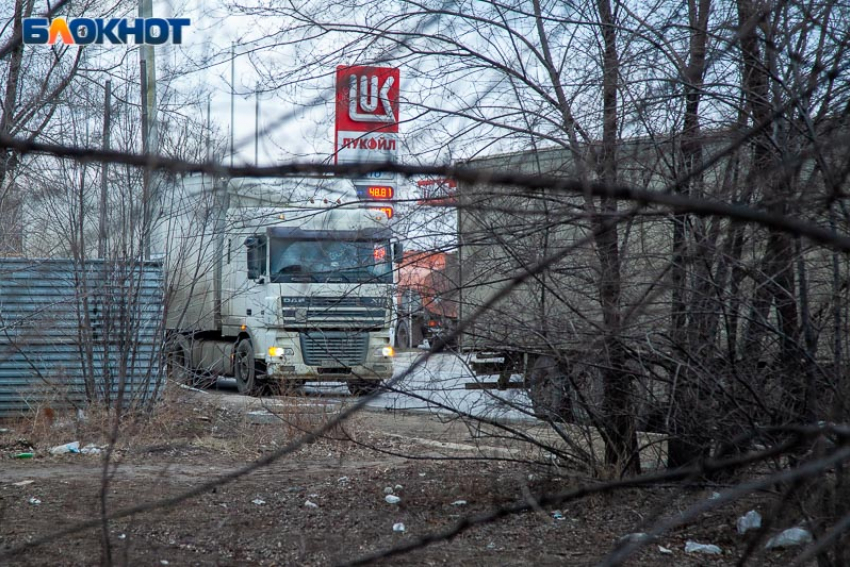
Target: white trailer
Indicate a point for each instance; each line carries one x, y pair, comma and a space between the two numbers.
272, 293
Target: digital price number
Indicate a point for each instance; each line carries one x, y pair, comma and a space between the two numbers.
386, 210
382, 192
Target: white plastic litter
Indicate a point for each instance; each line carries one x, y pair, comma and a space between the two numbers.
388, 490
398, 487
663, 550
791, 537
23, 483
342, 480
310, 504
749, 521
459, 503
90, 449
399, 527
558, 515
637, 537
707, 548
392, 499
72, 447
34, 501
258, 501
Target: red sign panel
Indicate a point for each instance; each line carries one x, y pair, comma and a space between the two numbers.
367, 99
438, 192
366, 114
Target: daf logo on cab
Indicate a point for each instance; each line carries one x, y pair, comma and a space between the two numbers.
86, 31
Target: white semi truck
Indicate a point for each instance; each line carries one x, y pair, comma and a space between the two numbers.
276, 284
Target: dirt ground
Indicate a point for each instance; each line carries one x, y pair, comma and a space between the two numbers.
324, 504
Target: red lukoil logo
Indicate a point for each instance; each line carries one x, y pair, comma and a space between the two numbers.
367, 99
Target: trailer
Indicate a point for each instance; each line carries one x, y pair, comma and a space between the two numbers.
549, 328
275, 285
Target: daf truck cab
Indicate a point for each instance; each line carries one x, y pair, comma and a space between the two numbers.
277, 294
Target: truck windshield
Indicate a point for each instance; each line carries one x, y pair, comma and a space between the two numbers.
321, 261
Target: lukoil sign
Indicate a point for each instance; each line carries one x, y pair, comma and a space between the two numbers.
99, 31
367, 106
368, 95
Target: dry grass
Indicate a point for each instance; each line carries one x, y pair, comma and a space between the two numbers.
181, 417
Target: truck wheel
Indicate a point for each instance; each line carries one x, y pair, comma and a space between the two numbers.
245, 368
402, 335
549, 389
405, 337
178, 359
416, 333
363, 387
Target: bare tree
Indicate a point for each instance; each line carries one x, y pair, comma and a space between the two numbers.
707, 311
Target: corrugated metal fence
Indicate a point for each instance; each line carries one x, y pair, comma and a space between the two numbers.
72, 332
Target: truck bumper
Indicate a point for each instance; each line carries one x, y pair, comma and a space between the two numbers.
302, 373
330, 358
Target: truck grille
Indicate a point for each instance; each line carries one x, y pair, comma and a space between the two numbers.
323, 312
343, 301
334, 349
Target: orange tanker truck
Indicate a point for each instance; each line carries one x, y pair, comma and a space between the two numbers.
426, 297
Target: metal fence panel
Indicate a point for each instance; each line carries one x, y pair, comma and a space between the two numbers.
72, 332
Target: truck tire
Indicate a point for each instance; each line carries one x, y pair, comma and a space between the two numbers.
402, 335
417, 334
245, 369
407, 337
178, 360
549, 389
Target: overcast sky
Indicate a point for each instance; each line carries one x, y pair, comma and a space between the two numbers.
287, 132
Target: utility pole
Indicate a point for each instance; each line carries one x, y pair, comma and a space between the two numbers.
256, 126
232, 92
209, 128
150, 129
146, 171
107, 119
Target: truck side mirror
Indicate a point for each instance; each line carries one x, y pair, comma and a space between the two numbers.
398, 252
256, 246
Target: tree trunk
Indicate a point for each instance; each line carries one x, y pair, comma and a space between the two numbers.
778, 267
10, 202
687, 443
621, 437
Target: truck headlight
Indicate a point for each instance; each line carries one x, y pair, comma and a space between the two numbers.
387, 351
280, 351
